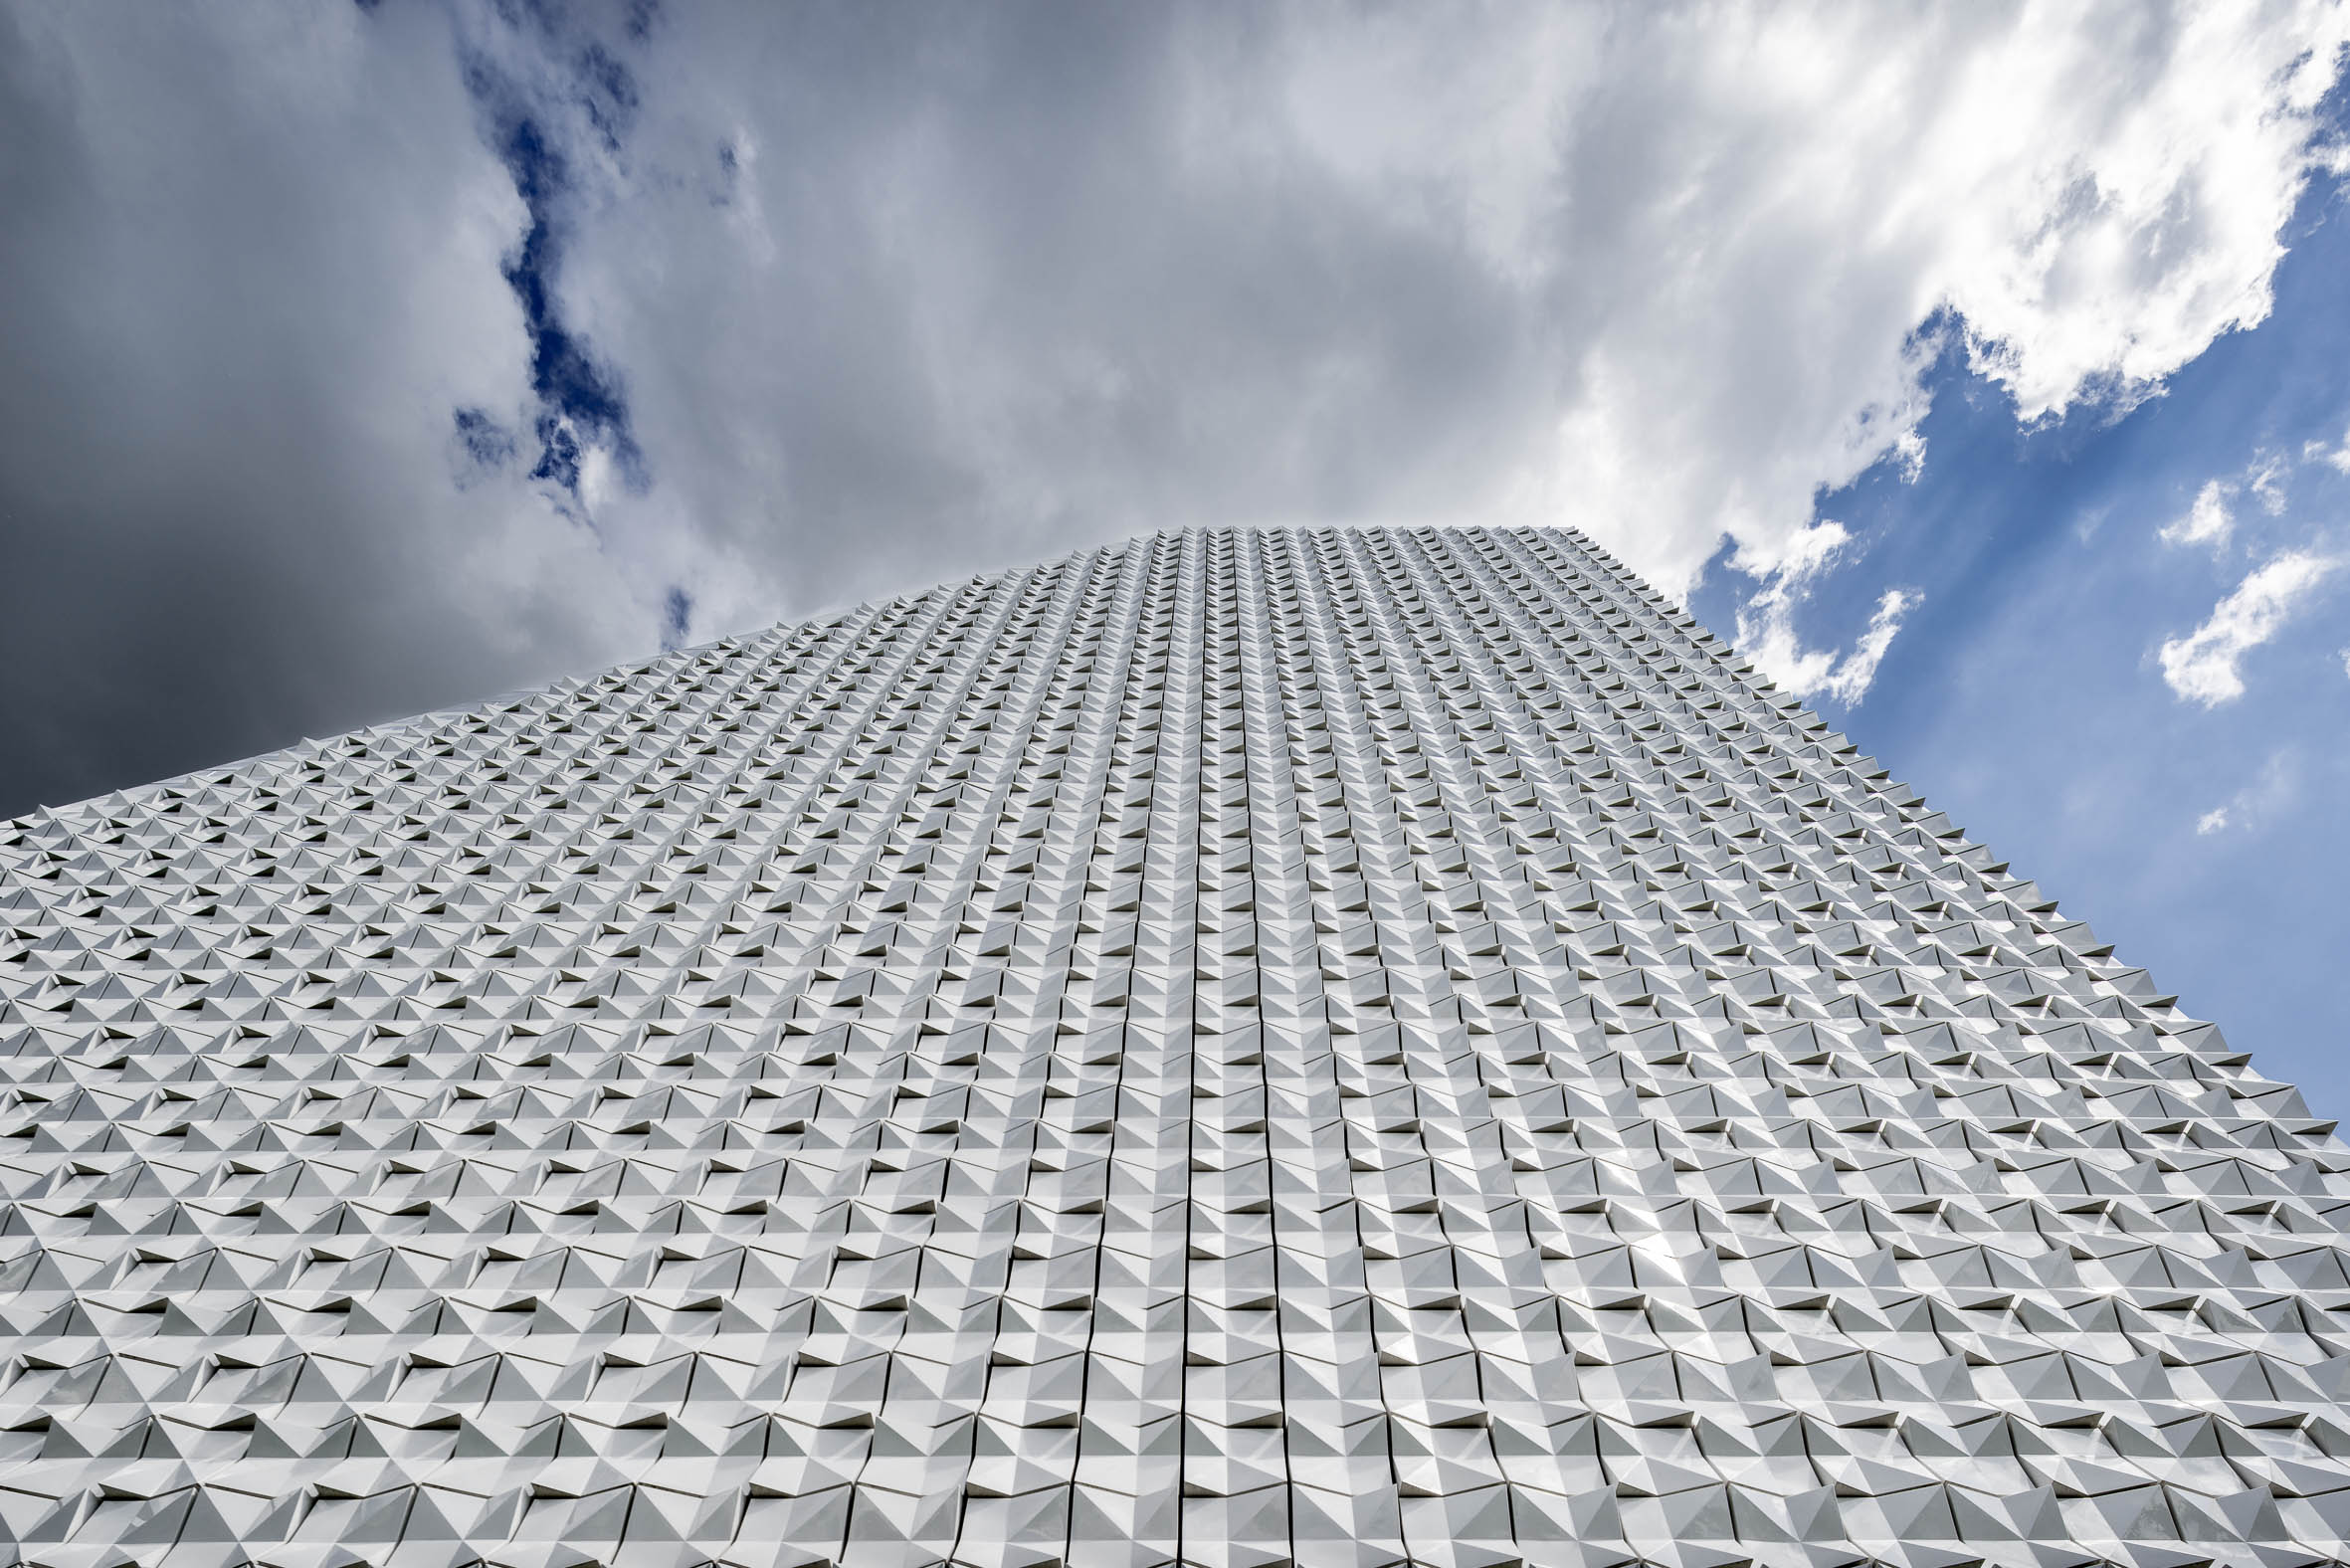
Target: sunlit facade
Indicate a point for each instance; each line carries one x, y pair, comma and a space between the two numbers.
1242, 1047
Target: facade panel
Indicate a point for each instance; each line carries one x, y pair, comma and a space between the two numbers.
1242, 1047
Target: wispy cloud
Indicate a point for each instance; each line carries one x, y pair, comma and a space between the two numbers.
1766, 624
2212, 518
2266, 479
2203, 667
2336, 457
2270, 792
1857, 671
2208, 521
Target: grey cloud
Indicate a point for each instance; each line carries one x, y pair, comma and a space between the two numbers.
251, 265
977, 297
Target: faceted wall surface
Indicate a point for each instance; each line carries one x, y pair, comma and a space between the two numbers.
1328, 1047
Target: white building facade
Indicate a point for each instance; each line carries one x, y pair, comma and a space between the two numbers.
1331, 1048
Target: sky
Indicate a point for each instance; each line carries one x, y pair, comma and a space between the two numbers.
1981, 369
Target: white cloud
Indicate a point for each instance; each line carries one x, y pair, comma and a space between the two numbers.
2098, 190
2212, 821
1766, 624
2211, 519
1909, 456
2202, 666
2335, 457
2208, 521
1857, 670
2266, 479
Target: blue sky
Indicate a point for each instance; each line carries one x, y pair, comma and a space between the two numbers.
2025, 692
1979, 366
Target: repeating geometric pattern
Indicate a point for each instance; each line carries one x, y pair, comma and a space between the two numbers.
1245, 1048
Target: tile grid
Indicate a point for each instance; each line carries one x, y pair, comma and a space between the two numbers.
1241, 1048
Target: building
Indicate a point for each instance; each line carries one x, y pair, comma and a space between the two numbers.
1242, 1047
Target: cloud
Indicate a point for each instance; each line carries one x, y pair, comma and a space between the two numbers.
2211, 519
1660, 273
1857, 670
250, 289
2335, 457
2208, 521
2202, 666
2271, 792
1766, 624
359, 359
2265, 478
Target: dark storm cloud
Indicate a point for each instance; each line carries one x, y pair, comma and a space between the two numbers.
355, 360
241, 277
